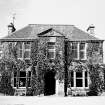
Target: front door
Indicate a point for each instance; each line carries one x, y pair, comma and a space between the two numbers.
49, 87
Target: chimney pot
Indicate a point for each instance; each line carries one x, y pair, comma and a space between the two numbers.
90, 29
11, 28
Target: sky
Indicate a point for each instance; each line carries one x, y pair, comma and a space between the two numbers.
80, 13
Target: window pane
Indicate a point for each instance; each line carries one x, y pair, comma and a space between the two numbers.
86, 82
79, 82
74, 53
22, 82
15, 74
72, 82
78, 74
72, 79
74, 50
20, 45
20, 54
27, 45
29, 82
51, 45
22, 74
85, 74
14, 82
50, 55
74, 45
29, 74
28, 62
82, 46
86, 79
27, 54
72, 74
82, 54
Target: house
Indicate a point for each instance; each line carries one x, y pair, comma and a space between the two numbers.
60, 59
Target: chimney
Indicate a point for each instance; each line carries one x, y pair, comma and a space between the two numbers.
11, 28
90, 29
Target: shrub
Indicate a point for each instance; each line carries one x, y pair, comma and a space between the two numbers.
5, 85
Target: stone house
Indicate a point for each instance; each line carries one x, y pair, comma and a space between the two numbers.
59, 59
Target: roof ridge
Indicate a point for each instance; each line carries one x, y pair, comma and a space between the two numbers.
54, 24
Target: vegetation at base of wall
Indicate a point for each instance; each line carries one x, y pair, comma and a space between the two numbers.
5, 84
97, 80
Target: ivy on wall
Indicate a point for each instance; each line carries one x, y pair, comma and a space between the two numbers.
97, 78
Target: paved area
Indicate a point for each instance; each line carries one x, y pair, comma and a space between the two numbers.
52, 100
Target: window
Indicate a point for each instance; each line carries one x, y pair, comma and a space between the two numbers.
82, 50
24, 50
51, 50
0, 77
23, 76
22, 79
20, 50
86, 79
74, 50
15, 77
79, 79
27, 50
1, 51
72, 78
79, 50
29, 79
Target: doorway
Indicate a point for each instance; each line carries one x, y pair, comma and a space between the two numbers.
49, 87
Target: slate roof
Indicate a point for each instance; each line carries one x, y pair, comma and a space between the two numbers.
31, 32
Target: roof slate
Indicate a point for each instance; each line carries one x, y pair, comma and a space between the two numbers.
31, 31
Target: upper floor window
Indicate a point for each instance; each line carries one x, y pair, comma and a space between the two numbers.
51, 50
24, 50
79, 50
1, 50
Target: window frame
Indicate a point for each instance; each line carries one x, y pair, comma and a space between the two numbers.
51, 50
83, 80
26, 72
24, 50
78, 51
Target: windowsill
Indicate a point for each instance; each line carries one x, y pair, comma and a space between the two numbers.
21, 87
77, 88
80, 59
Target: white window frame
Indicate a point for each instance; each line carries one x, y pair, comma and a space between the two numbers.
1, 50
52, 50
22, 77
23, 51
29, 50
83, 80
78, 51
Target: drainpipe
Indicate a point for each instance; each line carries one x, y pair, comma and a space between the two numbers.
65, 70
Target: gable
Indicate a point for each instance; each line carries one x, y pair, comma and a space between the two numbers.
50, 33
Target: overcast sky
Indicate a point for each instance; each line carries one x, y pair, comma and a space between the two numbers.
80, 13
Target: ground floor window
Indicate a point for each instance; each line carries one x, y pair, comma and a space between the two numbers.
79, 79
24, 78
